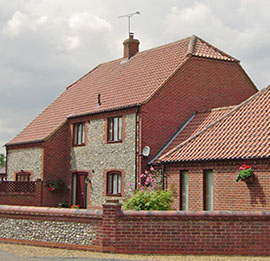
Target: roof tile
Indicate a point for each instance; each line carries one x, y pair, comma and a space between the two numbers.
241, 133
119, 83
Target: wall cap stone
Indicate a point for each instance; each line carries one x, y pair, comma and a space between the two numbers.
232, 214
50, 211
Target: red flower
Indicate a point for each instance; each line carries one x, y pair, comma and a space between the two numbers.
244, 166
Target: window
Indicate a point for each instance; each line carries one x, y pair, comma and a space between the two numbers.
184, 190
115, 129
23, 176
79, 134
114, 183
208, 190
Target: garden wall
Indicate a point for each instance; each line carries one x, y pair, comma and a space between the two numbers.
113, 230
21, 193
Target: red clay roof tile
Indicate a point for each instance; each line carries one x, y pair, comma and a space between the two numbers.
240, 134
120, 84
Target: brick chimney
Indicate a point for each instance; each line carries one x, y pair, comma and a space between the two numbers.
131, 46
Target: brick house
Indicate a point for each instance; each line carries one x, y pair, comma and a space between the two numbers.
92, 136
200, 162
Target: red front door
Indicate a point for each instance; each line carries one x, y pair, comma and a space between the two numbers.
79, 189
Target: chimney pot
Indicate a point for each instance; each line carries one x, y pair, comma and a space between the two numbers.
131, 46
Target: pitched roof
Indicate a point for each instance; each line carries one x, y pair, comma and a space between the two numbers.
120, 83
193, 125
242, 133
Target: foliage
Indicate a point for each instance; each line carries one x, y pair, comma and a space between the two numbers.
63, 204
75, 206
149, 195
243, 173
2, 160
56, 185
150, 200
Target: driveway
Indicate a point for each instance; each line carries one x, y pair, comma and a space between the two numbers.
12, 252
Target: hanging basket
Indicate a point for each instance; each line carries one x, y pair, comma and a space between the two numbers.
249, 180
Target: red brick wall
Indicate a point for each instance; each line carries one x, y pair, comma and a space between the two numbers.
23, 199
228, 195
199, 85
230, 233
56, 164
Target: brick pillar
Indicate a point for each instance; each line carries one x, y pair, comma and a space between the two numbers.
111, 210
38, 192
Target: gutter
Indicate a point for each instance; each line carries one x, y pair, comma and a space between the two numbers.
136, 145
105, 110
24, 142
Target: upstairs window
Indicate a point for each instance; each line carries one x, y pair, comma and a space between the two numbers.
115, 129
79, 134
23, 176
114, 183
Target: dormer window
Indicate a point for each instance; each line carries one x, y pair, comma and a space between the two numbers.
115, 129
79, 134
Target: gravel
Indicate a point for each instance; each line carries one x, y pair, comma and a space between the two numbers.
31, 251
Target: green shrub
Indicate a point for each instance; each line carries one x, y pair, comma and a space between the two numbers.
146, 200
63, 204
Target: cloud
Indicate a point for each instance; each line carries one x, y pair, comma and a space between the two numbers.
21, 22
45, 45
84, 21
197, 19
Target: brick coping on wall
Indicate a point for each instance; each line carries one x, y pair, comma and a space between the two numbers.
98, 212
232, 214
22, 210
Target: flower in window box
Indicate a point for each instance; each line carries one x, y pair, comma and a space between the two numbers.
244, 173
75, 206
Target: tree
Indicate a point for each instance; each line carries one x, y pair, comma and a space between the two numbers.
2, 160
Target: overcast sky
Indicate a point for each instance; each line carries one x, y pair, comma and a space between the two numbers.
45, 45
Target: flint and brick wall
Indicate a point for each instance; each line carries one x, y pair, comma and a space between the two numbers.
116, 231
52, 227
228, 195
97, 157
28, 159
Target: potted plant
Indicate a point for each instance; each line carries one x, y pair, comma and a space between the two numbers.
63, 204
245, 173
56, 185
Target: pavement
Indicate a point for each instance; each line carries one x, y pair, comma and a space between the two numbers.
13, 252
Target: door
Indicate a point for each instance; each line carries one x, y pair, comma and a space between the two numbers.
79, 189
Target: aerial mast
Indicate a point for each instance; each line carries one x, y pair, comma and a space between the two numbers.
128, 16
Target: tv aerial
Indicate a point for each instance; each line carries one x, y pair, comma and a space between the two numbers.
128, 16
145, 151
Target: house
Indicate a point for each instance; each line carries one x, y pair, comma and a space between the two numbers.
201, 161
93, 135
